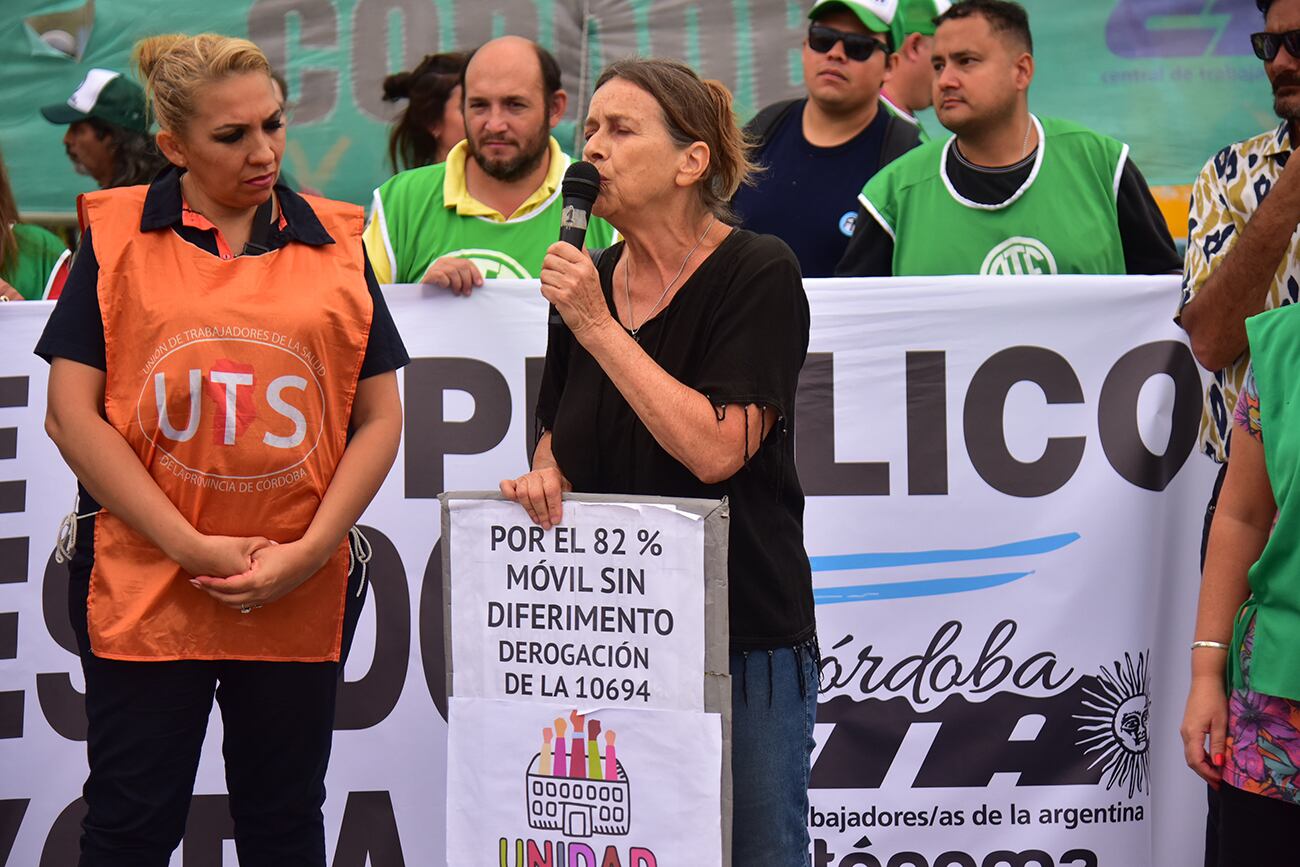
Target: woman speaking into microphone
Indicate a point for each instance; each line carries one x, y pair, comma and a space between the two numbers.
673, 373
222, 383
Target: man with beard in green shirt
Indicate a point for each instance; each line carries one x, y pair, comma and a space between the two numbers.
493, 207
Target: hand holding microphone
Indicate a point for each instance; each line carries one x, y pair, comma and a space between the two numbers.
569, 279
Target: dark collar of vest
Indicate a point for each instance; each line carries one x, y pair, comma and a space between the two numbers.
162, 209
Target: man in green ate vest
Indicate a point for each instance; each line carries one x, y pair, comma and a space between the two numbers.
1009, 193
492, 209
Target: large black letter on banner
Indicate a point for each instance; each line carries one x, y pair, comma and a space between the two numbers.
14, 392
63, 842
1117, 413
927, 423
429, 437
433, 650
814, 442
63, 706
366, 702
534, 368
978, 739
986, 440
368, 835
11, 819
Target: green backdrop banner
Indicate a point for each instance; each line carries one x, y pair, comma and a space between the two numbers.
1173, 78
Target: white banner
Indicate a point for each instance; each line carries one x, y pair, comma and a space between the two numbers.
1003, 515
1005, 561
607, 607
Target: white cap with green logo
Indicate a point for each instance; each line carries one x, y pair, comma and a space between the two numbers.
876, 15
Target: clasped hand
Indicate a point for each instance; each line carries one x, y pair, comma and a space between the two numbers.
570, 282
243, 572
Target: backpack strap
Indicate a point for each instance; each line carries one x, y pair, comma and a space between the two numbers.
900, 137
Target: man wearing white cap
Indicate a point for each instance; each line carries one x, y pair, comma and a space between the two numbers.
818, 151
908, 89
108, 132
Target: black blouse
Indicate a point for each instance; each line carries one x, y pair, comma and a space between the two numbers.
736, 331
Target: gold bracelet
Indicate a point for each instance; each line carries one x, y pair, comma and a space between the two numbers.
1216, 645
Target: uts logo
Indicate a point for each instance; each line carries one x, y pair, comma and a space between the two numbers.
253, 415
493, 264
1019, 256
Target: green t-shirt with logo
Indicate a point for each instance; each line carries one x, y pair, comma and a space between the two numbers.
1062, 220
418, 229
40, 253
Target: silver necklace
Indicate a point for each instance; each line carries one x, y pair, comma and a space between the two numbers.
627, 282
1024, 146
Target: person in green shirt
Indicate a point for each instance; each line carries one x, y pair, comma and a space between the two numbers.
492, 209
911, 80
1009, 193
33, 261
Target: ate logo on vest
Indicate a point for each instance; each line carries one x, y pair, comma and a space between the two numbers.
246, 404
493, 264
1019, 257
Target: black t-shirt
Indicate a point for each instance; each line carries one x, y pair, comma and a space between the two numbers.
75, 329
1148, 246
808, 195
736, 331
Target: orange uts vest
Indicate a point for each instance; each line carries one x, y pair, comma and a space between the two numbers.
233, 382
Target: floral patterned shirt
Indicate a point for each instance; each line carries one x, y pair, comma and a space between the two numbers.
1263, 730
1224, 198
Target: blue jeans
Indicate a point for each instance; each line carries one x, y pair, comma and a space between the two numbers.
773, 708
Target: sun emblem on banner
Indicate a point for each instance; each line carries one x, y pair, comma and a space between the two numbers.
1117, 731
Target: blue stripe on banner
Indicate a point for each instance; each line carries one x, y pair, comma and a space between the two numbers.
883, 560
911, 589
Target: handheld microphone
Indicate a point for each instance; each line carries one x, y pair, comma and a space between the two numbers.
580, 187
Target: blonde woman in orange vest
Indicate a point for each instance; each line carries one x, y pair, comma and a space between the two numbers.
223, 385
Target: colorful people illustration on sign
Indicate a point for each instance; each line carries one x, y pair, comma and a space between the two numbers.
572, 787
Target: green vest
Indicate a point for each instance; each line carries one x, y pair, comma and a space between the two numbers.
420, 229
1062, 221
40, 253
1275, 578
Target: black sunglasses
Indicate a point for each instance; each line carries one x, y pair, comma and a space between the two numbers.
857, 46
1266, 45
